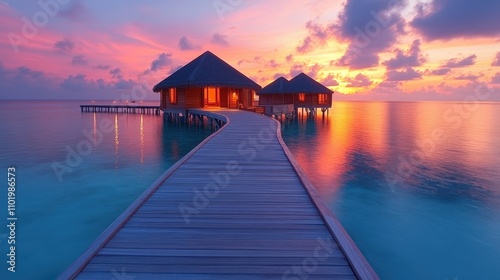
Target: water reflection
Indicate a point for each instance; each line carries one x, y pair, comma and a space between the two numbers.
185, 135
364, 141
117, 142
141, 139
449, 195
81, 201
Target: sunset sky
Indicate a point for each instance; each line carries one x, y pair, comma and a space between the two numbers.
361, 49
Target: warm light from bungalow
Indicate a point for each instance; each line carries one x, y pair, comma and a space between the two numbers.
302, 96
172, 93
322, 99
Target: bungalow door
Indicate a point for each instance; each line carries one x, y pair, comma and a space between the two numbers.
233, 100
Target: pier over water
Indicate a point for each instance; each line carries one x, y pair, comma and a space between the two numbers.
136, 109
238, 206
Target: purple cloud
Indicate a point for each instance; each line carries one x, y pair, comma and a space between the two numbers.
78, 83
411, 58
496, 61
438, 72
272, 64
186, 45
298, 68
448, 19
124, 84
370, 27
359, 80
458, 63
219, 39
404, 75
469, 77
75, 11
116, 73
22, 82
163, 60
318, 35
79, 60
330, 81
102, 67
26, 73
389, 84
65, 46
496, 79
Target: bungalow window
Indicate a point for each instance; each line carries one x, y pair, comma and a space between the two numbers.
322, 99
173, 96
302, 97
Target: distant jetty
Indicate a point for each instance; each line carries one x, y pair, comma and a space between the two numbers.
134, 109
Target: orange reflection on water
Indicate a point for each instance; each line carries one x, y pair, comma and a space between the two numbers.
330, 144
117, 142
94, 128
141, 133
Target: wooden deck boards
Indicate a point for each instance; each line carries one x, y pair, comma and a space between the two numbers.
235, 208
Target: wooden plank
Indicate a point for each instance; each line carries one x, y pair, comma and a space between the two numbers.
332, 270
122, 274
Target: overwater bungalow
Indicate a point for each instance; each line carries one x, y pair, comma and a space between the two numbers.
207, 81
302, 91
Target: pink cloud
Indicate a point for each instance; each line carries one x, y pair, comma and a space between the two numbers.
460, 62
496, 61
405, 75
360, 80
411, 58
496, 79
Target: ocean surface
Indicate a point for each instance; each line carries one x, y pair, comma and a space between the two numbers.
416, 185
117, 157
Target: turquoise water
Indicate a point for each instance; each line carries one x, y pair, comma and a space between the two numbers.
436, 216
439, 220
58, 220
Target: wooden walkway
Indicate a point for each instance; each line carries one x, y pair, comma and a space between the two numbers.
135, 109
238, 206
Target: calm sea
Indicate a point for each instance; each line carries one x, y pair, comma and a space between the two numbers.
416, 185
117, 157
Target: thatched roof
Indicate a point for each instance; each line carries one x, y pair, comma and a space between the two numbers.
300, 84
279, 86
305, 84
207, 70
